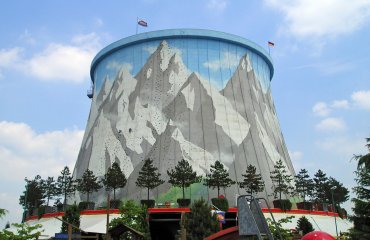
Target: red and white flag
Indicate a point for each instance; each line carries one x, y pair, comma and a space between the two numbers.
142, 23
271, 44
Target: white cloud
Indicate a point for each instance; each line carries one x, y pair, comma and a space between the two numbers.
320, 18
227, 61
343, 104
342, 146
114, 65
57, 62
28, 153
321, 109
361, 99
217, 6
9, 57
331, 124
295, 155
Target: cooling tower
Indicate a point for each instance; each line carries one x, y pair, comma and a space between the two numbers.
168, 95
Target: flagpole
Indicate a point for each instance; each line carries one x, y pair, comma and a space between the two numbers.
137, 19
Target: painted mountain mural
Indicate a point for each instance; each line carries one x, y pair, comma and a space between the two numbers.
166, 112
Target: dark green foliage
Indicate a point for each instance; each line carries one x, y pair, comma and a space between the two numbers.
303, 184
283, 204
114, 179
86, 206
286, 234
33, 195
50, 189
321, 187
65, 184
148, 176
281, 180
23, 232
218, 177
2, 212
88, 183
132, 215
221, 203
183, 202
361, 210
252, 182
41, 211
340, 193
72, 216
115, 204
149, 203
199, 222
183, 176
304, 225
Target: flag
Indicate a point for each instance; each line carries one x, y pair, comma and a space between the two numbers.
271, 44
142, 23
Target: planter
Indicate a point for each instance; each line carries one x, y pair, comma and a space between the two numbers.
283, 204
86, 206
183, 202
148, 203
115, 204
221, 203
322, 207
304, 205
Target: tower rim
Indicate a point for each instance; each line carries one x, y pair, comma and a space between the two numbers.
181, 33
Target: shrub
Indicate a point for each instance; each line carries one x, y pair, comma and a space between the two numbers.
115, 204
183, 202
283, 204
305, 205
304, 225
221, 203
86, 206
148, 203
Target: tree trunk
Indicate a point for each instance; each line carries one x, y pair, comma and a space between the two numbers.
114, 194
183, 191
218, 191
88, 196
148, 194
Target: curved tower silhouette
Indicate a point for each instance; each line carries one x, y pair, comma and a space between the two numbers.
168, 95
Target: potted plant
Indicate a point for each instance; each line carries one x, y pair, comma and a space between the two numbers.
304, 187
148, 178
87, 184
114, 179
183, 176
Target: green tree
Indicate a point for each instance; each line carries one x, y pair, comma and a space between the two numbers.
72, 216
33, 195
2, 212
50, 189
303, 184
200, 222
218, 177
132, 215
23, 232
340, 193
361, 209
252, 182
281, 180
88, 183
183, 176
321, 187
148, 177
114, 179
304, 225
65, 184
278, 231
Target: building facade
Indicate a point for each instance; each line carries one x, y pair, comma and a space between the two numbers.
168, 95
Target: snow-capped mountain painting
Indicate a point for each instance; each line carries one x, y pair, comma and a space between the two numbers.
168, 111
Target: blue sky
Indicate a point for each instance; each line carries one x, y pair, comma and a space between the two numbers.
321, 85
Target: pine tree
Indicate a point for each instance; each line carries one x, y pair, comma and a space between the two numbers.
218, 177
34, 194
65, 184
304, 225
252, 182
71, 216
148, 176
281, 180
340, 193
321, 187
114, 179
361, 210
183, 176
200, 222
50, 189
88, 183
303, 184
